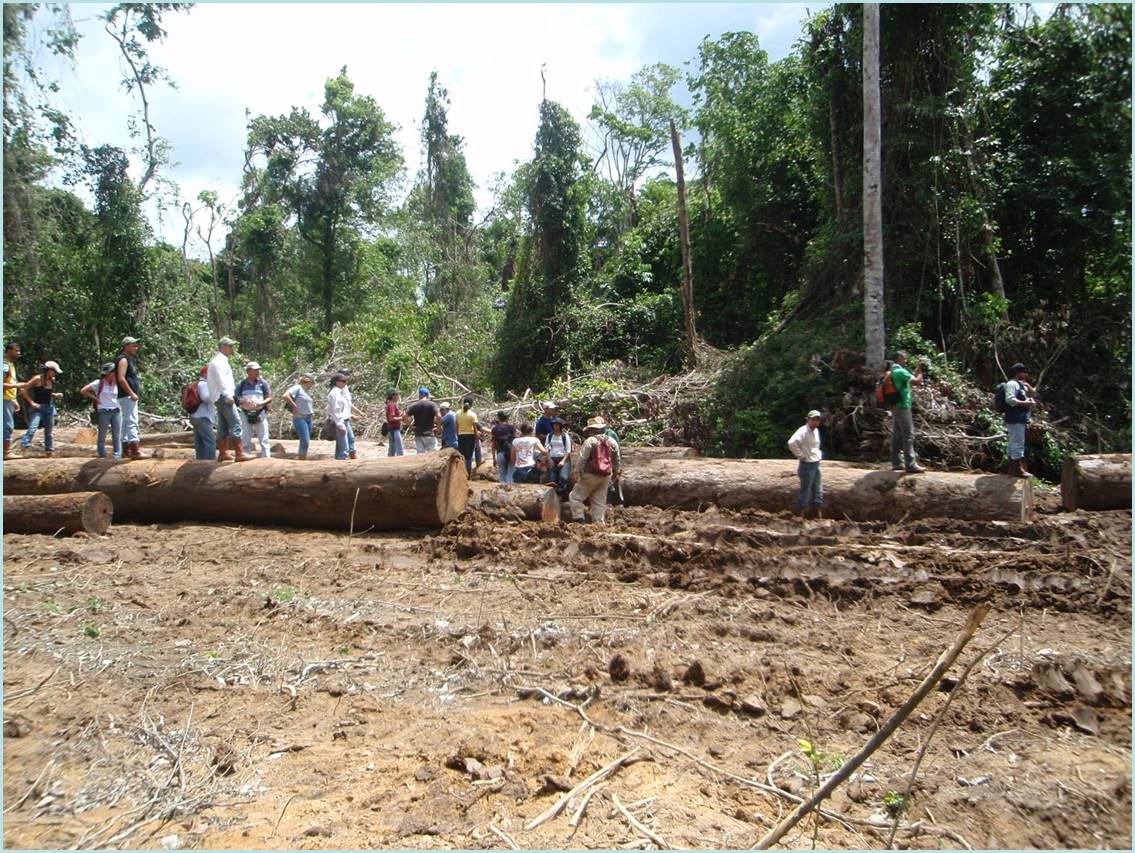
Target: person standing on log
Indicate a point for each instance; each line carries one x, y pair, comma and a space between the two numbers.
298, 400
468, 431
393, 424
427, 418
202, 418
129, 387
12, 387
502, 435
805, 446
1019, 402
448, 427
253, 396
902, 433
600, 465
103, 392
339, 411
222, 391
40, 394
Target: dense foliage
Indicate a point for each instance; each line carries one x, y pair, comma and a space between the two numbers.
1006, 220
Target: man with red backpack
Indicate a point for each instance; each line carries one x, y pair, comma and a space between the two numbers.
600, 463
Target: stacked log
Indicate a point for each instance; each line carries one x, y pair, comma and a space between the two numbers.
86, 512
1096, 481
850, 491
412, 491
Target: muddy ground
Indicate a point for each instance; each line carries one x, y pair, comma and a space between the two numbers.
215, 686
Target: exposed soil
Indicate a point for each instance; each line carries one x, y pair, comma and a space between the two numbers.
214, 686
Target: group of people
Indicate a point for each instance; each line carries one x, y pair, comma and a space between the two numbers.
1019, 400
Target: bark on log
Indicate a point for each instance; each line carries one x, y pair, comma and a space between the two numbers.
1096, 481
89, 512
850, 491
424, 491
515, 501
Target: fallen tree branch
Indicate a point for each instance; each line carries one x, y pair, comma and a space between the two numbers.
597, 776
653, 836
945, 660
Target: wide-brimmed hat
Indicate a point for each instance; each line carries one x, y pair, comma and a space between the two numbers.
126, 341
51, 365
107, 368
252, 365
226, 342
1017, 368
595, 423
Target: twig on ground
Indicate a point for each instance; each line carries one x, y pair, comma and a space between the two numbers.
597, 776
653, 836
503, 836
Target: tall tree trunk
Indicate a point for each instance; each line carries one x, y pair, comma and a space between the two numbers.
873, 305
837, 177
687, 272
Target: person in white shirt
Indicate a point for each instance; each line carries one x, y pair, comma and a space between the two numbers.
222, 391
805, 446
524, 450
104, 393
339, 411
202, 418
559, 456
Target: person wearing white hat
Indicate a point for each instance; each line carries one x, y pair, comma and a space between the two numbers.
805, 446
222, 391
103, 393
253, 396
129, 387
600, 464
40, 394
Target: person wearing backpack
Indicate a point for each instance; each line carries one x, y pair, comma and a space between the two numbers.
1018, 404
103, 392
502, 435
202, 418
902, 432
600, 464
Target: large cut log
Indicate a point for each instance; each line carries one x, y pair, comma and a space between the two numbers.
89, 435
515, 501
1096, 481
850, 491
423, 491
631, 455
89, 512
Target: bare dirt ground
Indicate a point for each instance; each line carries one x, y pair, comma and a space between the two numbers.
215, 686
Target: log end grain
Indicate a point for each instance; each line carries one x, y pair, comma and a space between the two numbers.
74, 512
453, 487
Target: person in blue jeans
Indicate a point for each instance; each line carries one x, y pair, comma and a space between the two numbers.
298, 400
103, 392
40, 395
502, 435
805, 446
202, 419
448, 427
339, 410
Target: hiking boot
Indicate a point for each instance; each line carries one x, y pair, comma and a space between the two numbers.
897, 468
915, 469
135, 449
353, 455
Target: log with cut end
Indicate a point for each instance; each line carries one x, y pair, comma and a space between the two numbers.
515, 501
850, 491
394, 494
1096, 481
87, 512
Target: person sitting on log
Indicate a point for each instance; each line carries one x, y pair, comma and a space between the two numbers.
1018, 404
524, 450
40, 394
600, 464
805, 446
254, 396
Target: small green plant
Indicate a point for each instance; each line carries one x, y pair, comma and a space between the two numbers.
50, 607
91, 630
894, 803
343, 651
283, 594
212, 655
820, 759
94, 605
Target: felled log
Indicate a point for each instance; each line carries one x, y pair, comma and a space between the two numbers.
515, 501
850, 491
631, 455
425, 491
89, 435
89, 512
1096, 481
63, 450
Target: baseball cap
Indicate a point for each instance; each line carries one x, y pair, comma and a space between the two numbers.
252, 365
52, 365
815, 413
1017, 368
443, 405
226, 342
126, 341
423, 391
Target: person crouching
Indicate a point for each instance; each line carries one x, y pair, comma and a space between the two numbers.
805, 446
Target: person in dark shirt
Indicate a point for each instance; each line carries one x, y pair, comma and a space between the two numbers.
544, 424
502, 435
427, 418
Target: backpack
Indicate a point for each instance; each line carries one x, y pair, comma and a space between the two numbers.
600, 460
190, 398
999, 403
886, 394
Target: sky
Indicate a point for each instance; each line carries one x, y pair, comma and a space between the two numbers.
231, 60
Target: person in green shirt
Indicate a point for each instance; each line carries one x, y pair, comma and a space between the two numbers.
902, 433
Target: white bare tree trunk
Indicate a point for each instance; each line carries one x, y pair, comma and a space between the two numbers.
872, 193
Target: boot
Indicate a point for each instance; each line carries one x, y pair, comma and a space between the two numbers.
223, 450
302, 456
354, 455
135, 449
238, 448
7, 446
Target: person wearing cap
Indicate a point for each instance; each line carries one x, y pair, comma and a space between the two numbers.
427, 418
298, 400
902, 432
40, 394
805, 446
103, 393
129, 387
448, 427
222, 391
203, 420
559, 455
592, 485
253, 396
1019, 402
12, 387
501, 437
394, 417
339, 411
544, 422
